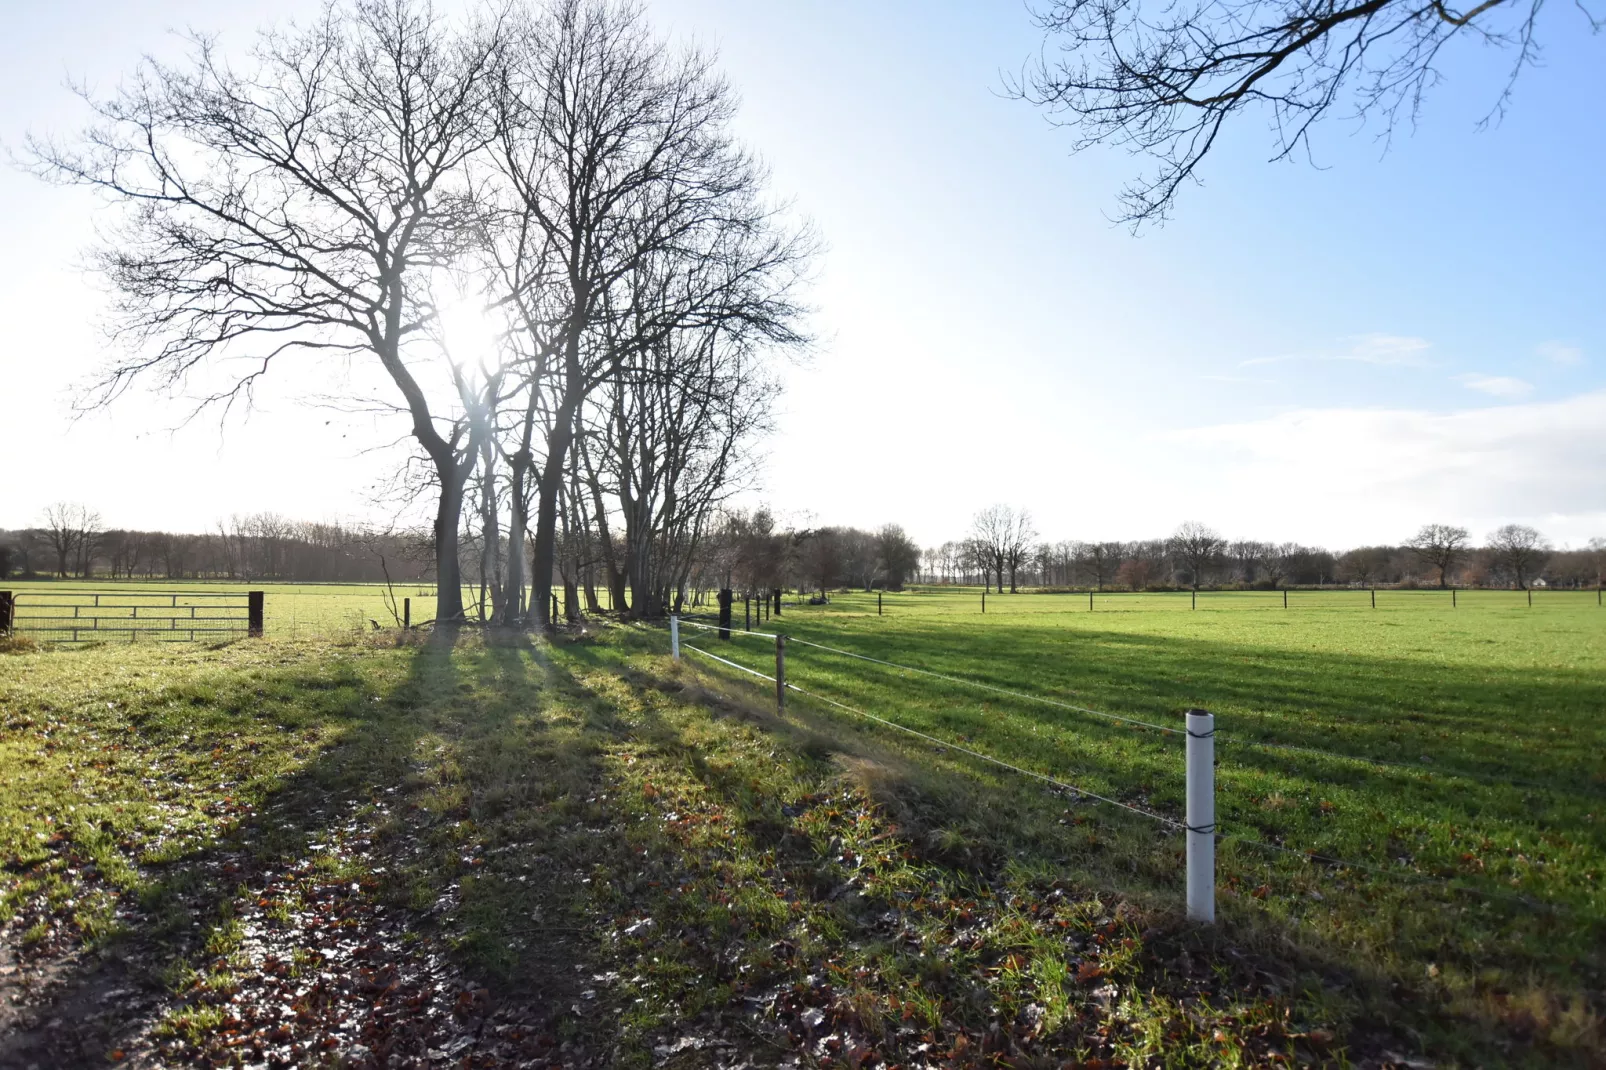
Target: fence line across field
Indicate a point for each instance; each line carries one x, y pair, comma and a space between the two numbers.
1259, 744
1199, 823
950, 679
1054, 781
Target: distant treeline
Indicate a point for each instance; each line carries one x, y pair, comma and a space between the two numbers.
1003, 548
750, 553
72, 543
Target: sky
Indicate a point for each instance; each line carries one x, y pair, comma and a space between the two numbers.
1334, 352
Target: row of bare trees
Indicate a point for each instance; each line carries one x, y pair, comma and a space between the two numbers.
1001, 546
748, 553
562, 171
72, 542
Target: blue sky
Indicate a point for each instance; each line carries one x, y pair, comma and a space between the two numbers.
1335, 354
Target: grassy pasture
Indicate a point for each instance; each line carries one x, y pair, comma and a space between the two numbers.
1487, 829
530, 845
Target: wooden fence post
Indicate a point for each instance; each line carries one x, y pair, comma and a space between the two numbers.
984, 600
1374, 597
878, 603
253, 614
747, 611
725, 600
1285, 599
6, 611
407, 614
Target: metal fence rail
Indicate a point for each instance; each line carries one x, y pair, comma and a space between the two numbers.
88, 616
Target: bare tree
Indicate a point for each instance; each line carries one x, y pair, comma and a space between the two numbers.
1518, 550
627, 205
1196, 546
299, 205
1002, 538
70, 530
1101, 559
1163, 79
1019, 545
1441, 546
1364, 564
1275, 559
1245, 557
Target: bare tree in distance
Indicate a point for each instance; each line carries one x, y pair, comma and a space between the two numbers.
1101, 559
297, 205
70, 529
1164, 79
1441, 546
1274, 559
1520, 550
1197, 546
1364, 564
1019, 545
1002, 538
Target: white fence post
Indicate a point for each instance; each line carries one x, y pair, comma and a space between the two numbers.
674, 636
780, 673
1201, 816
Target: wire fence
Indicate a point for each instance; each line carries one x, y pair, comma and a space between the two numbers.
1434, 769
1308, 855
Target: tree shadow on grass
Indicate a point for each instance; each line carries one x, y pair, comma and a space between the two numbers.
446, 907
1001, 824
321, 919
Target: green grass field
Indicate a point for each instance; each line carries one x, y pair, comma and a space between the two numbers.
291, 609
1487, 827
498, 848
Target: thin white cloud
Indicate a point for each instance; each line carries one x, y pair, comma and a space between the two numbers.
1388, 349
1496, 386
1384, 350
1563, 353
1537, 461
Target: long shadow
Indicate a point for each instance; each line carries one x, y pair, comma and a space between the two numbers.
1546, 951
368, 783
1462, 755
480, 776
1243, 964
1367, 705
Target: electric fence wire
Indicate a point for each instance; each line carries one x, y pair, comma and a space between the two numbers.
1392, 872
959, 680
1239, 741
1064, 786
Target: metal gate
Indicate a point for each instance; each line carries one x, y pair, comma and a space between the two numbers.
104, 616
